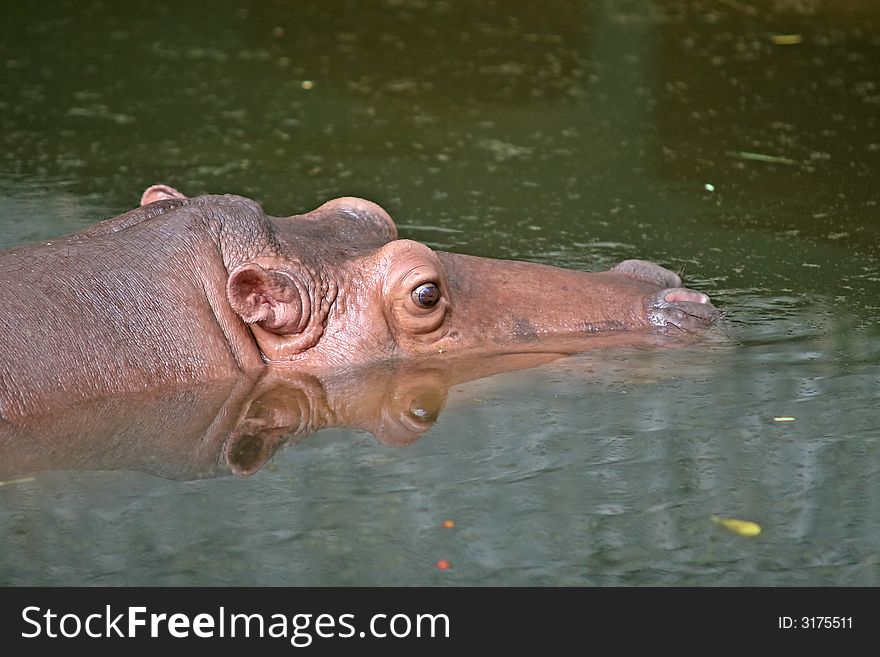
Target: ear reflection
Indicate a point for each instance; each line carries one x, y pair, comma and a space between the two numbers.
281, 411
397, 405
210, 430
395, 402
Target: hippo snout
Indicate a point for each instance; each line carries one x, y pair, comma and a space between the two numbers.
681, 308
673, 305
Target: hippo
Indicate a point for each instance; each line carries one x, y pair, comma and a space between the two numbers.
183, 290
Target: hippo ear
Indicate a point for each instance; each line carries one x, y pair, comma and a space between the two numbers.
267, 297
159, 193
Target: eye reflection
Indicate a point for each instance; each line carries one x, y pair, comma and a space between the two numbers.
418, 411
426, 295
425, 408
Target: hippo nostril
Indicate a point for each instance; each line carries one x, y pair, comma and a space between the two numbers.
681, 308
685, 295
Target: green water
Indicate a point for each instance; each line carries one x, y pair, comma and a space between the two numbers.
736, 142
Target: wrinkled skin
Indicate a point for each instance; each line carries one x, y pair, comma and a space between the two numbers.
205, 289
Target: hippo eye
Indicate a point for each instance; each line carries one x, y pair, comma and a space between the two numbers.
426, 295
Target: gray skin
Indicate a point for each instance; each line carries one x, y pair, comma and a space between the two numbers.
206, 289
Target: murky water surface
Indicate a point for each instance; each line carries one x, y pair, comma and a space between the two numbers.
736, 142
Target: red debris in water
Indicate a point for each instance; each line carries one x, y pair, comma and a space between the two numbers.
448, 524
443, 564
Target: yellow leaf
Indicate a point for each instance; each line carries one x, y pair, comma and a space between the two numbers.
23, 480
741, 527
786, 39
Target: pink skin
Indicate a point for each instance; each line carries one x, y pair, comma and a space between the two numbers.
159, 193
367, 310
186, 290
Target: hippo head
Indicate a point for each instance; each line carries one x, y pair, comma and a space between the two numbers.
336, 286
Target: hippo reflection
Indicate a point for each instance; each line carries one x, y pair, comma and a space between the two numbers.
213, 429
211, 288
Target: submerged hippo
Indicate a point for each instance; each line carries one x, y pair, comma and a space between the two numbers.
203, 289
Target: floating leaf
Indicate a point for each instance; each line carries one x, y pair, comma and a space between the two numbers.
786, 39
741, 527
23, 480
763, 157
